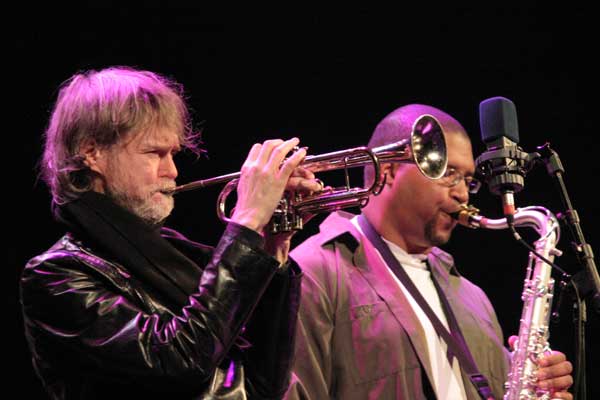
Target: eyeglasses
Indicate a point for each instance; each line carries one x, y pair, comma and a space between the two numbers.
452, 178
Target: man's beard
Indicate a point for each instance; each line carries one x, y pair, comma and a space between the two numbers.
434, 238
151, 212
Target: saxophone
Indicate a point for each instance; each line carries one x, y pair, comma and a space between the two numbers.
537, 296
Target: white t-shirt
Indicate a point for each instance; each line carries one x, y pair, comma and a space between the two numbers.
447, 380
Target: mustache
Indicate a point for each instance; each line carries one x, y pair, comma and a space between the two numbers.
165, 188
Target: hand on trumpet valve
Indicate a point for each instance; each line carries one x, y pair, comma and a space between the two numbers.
265, 176
303, 182
263, 179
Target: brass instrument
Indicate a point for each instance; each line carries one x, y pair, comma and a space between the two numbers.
537, 297
425, 147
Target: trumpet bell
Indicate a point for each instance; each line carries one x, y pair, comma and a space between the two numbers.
429, 147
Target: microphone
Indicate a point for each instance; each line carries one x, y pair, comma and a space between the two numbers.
504, 165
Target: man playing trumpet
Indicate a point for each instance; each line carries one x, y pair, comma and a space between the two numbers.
121, 304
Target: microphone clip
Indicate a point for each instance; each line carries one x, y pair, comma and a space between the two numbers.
504, 166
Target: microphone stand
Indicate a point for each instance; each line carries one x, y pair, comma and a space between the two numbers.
585, 283
587, 280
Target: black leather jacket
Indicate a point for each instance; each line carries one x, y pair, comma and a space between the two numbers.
96, 332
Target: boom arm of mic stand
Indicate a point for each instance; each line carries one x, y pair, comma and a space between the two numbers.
587, 281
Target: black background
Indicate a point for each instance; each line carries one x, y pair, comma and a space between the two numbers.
326, 76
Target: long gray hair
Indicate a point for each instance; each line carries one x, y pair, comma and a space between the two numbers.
105, 107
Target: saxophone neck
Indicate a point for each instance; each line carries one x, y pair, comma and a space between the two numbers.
536, 217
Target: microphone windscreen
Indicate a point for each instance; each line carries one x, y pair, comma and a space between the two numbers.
497, 118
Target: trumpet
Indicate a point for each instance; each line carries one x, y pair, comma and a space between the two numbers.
426, 148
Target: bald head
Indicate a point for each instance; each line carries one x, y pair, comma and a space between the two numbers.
399, 123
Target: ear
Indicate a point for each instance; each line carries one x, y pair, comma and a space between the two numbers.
388, 171
93, 156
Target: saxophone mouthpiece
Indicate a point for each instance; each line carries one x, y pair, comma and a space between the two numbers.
465, 215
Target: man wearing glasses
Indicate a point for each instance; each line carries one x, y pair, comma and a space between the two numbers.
374, 284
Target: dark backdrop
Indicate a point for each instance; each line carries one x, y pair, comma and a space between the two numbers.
327, 76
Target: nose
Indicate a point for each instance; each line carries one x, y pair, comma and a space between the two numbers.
460, 192
168, 169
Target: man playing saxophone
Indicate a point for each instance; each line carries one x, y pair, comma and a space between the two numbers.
362, 333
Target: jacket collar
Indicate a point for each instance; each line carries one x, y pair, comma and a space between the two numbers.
125, 238
338, 227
